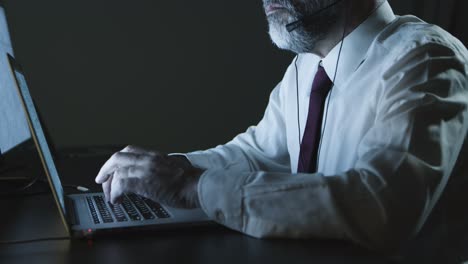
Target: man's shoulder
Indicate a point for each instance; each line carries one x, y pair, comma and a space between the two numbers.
408, 33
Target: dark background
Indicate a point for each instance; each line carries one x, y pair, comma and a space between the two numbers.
171, 75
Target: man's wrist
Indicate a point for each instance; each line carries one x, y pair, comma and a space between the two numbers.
194, 187
191, 176
179, 160
195, 201
191, 190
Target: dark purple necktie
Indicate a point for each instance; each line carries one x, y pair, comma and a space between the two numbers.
311, 139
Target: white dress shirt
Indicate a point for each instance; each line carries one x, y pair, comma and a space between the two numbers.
397, 119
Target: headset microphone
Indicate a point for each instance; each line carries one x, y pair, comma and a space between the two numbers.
308, 19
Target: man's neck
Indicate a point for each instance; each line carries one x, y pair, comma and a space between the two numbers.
354, 13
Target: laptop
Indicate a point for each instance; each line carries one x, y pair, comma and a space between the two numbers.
88, 215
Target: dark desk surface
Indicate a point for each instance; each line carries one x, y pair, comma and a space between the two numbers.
37, 216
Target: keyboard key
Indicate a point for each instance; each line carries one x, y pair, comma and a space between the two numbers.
156, 208
131, 211
118, 213
103, 210
92, 209
141, 206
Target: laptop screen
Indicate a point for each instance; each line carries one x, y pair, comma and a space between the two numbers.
4, 35
13, 123
13, 126
30, 117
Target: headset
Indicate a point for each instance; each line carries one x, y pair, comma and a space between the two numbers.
304, 21
308, 19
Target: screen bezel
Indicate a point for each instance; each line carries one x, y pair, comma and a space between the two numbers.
49, 169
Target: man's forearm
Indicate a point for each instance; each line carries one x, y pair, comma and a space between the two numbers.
264, 204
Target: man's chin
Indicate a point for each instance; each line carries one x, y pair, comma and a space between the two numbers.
279, 36
280, 43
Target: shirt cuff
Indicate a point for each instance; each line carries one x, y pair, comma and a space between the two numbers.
197, 160
221, 197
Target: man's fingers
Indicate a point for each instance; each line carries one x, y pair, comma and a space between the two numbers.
120, 160
139, 150
122, 183
133, 149
117, 189
106, 187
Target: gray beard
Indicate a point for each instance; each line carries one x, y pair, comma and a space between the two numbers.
297, 41
303, 39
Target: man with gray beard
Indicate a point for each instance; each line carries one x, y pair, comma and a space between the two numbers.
362, 139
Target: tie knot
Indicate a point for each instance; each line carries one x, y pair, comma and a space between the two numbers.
321, 83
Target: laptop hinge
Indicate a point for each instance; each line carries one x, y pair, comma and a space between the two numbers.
71, 211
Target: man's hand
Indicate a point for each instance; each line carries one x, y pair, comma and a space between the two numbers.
169, 180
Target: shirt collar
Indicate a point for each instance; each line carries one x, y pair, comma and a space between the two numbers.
356, 44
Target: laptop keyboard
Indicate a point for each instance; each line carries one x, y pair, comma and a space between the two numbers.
132, 208
103, 210
141, 206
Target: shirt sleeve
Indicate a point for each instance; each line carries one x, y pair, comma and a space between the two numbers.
262, 147
404, 163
